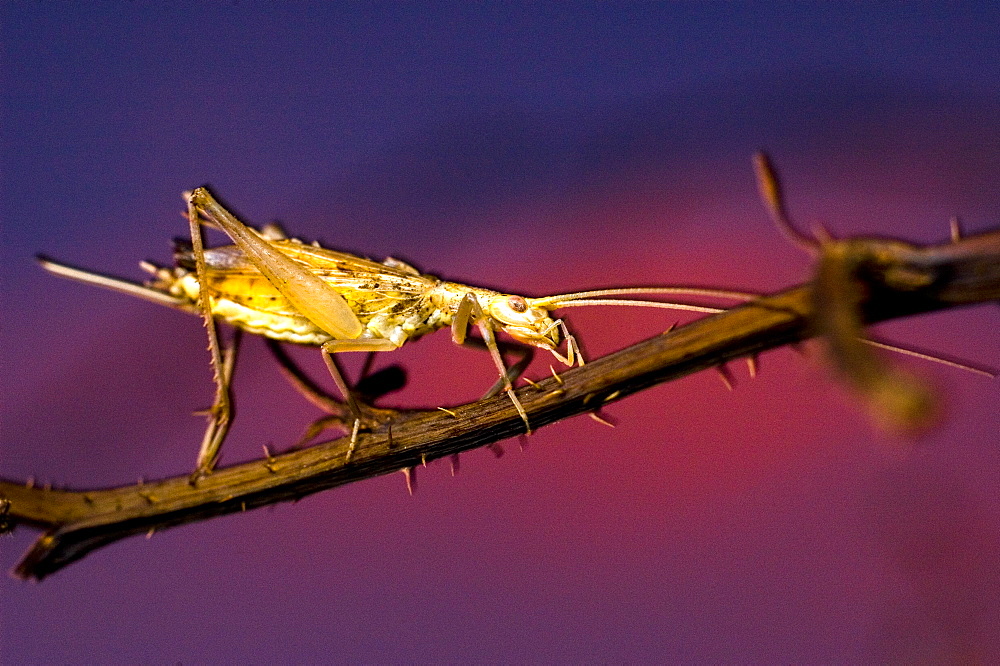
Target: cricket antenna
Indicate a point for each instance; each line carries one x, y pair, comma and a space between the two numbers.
581, 298
982, 370
770, 191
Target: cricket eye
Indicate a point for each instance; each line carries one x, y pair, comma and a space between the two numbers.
517, 304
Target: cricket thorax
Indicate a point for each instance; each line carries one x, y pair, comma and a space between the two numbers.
512, 314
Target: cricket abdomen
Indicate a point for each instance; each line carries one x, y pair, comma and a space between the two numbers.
285, 328
252, 304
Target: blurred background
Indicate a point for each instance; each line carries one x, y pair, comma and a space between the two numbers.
538, 150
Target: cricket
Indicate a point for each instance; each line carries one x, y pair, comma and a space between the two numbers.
288, 291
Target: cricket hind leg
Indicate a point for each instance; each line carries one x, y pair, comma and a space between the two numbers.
222, 411
220, 415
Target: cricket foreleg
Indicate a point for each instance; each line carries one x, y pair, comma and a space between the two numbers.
469, 311
514, 372
573, 352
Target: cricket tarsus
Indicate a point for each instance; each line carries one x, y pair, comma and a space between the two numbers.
220, 415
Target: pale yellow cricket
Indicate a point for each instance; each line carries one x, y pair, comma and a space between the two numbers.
290, 291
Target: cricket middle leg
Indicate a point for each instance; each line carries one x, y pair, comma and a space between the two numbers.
336, 346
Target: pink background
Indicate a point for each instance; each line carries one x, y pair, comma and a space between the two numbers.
536, 151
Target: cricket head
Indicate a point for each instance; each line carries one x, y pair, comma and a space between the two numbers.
522, 320
529, 320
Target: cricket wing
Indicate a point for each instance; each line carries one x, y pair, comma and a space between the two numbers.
306, 291
369, 288
343, 268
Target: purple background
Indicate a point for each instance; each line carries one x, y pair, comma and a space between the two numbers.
537, 150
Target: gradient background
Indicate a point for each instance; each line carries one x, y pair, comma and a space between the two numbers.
537, 150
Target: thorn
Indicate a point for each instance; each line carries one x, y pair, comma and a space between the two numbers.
354, 441
670, 328
956, 229
411, 480
243, 507
522, 442
449, 412
423, 460
752, 365
29, 482
272, 232
600, 419
531, 383
390, 444
150, 533
558, 378
727, 376
267, 451
495, 449
455, 464
611, 396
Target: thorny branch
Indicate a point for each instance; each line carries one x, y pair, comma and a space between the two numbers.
858, 281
